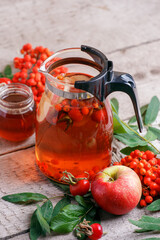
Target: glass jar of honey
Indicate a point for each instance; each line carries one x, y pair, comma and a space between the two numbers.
74, 123
17, 112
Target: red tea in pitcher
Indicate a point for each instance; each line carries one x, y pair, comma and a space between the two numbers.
73, 134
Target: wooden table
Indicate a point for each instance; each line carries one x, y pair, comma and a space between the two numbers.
128, 32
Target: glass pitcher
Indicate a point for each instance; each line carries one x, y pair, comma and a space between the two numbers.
74, 124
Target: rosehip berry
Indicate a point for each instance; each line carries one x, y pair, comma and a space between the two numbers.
80, 188
97, 231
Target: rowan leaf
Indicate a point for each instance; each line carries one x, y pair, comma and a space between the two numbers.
150, 136
115, 105
152, 111
154, 238
146, 225
145, 218
119, 126
8, 71
132, 140
128, 150
154, 206
1, 75
24, 198
143, 111
156, 131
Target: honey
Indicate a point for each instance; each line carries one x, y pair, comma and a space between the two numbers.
17, 112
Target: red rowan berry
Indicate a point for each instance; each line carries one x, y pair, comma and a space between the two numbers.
149, 199
143, 203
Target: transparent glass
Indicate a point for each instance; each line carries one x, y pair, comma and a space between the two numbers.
73, 129
17, 112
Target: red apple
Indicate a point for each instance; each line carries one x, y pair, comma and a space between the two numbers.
117, 189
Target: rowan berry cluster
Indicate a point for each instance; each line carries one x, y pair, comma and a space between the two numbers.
29, 65
147, 166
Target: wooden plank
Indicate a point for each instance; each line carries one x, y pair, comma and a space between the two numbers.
7, 146
20, 174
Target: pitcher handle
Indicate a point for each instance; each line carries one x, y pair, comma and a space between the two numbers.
124, 82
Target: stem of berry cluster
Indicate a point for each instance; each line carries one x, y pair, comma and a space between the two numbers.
140, 136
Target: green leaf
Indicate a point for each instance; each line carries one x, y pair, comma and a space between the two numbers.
67, 219
63, 223
152, 111
143, 111
1, 75
145, 218
131, 140
134, 127
47, 211
26, 197
128, 150
74, 210
35, 228
61, 204
61, 186
142, 230
43, 223
154, 206
151, 238
156, 131
81, 201
119, 127
150, 136
146, 225
115, 105
7, 71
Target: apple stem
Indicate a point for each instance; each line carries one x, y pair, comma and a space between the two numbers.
109, 178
